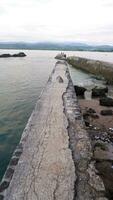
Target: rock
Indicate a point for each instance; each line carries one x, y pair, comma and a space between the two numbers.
111, 129
14, 161
99, 92
87, 122
91, 110
9, 173
1, 197
3, 186
5, 55
61, 56
106, 112
105, 169
90, 113
94, 116
60, 79
21, 54
79, 90
106, 101
86, 119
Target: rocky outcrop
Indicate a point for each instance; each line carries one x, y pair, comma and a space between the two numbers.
21, 54
88, 114
79, 90
61, 56
106, 101
7, 55
99, 91
106, 112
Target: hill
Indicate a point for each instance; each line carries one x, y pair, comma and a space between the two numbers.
66, 46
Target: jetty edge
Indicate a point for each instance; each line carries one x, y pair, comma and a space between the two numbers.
53, 160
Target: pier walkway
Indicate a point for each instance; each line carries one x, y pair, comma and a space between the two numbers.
54, 152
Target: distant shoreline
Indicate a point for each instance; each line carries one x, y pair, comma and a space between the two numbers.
56, 50
56, 46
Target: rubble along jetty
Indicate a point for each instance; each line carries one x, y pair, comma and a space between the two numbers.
53, 160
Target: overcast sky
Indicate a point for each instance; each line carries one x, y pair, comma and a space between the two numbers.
89, 21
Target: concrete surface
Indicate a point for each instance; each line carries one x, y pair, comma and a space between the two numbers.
53, 159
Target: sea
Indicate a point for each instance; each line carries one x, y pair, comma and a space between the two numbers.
21, 82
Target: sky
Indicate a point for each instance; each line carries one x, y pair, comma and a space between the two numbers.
87, 21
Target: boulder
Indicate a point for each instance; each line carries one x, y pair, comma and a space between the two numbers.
106, 101
94, 116
21, 54
106, 112
91, 110
7, 55
87, 122
79, 90
61, 56
99, 91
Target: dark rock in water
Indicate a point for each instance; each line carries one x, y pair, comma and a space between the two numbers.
106, 112
5, 55
79, 90
99, 92
21, 54
106, 101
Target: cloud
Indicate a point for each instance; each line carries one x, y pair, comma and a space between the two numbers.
40, 20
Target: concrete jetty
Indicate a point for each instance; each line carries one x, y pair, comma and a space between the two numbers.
96, 67
54, 158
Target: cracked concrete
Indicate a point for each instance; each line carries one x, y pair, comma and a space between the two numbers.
45, 170
55, 151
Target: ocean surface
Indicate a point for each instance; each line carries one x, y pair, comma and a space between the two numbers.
21, 82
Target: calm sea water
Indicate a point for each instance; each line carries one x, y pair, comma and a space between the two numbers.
21, 82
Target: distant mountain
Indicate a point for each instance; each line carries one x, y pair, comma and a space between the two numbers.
69, 46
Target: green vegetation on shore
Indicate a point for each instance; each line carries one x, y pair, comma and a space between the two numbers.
62, 46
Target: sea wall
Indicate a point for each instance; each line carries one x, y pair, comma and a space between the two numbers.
53, 160
95, 67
